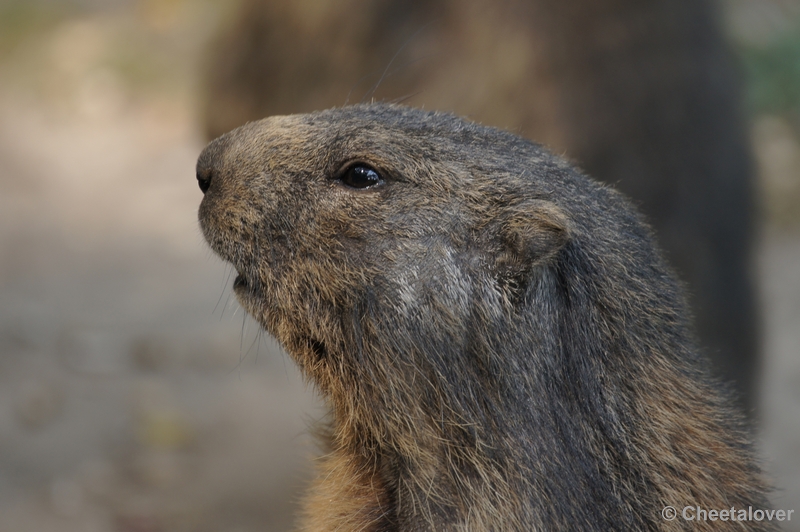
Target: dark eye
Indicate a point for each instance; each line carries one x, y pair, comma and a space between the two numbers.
361, 176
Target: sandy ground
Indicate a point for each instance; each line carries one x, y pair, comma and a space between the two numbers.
135, 396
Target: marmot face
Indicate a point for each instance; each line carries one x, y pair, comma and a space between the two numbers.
351, 220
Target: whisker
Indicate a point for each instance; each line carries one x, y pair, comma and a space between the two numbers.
371, 92
222, 293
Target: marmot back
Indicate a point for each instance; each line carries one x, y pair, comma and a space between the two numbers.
501, 346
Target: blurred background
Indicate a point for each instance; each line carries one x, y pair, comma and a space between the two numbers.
136, 396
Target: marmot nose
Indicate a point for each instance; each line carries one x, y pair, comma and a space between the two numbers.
204, 180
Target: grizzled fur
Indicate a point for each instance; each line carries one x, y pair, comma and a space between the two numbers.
501, 346
641, 94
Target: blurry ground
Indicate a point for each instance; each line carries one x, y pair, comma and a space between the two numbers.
134, 394
130, 397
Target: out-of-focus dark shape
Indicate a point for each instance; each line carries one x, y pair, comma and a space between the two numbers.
643, 94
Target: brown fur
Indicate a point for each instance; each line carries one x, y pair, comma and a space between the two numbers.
642, 94
500, 344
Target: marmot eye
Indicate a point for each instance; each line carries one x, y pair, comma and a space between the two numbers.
361, 176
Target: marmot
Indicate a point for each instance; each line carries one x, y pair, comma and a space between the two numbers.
641, 94
500, 344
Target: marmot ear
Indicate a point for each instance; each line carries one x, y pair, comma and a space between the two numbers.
532, 233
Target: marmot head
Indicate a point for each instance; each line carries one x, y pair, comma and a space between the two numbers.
425, 271
375, 212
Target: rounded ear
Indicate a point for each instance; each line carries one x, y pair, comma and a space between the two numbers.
531, 234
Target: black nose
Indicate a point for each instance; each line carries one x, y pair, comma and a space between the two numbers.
204, 180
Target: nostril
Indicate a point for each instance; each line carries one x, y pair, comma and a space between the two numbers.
204, 180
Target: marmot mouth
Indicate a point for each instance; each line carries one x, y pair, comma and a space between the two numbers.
245, 292
240, 283
309, 346
318, 349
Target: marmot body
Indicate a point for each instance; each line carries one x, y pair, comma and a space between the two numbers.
501, 346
